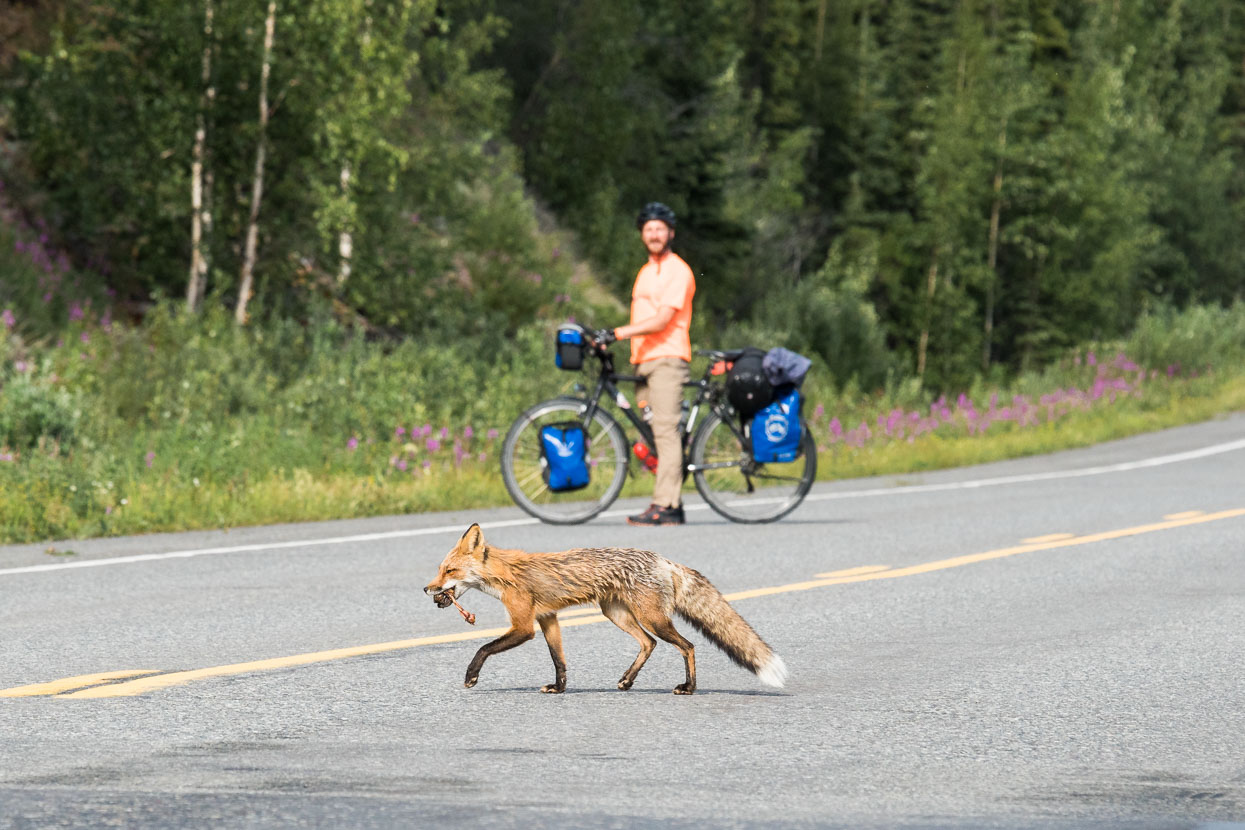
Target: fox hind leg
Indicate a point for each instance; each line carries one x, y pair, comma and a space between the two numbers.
553, 637
621, 616
657, 622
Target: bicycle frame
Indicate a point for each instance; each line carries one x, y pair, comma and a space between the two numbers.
607, 384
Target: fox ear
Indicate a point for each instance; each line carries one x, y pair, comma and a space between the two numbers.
473, 539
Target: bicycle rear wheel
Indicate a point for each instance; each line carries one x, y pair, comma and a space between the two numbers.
741, 489
523, 471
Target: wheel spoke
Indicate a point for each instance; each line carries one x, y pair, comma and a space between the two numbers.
726, 479
523, 468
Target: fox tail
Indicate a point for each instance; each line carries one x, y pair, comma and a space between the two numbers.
702, 605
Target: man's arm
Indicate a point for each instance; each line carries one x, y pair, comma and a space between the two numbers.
649, 326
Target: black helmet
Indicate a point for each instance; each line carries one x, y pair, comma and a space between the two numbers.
655, 210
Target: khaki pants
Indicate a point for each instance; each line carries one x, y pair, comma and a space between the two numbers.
662, 387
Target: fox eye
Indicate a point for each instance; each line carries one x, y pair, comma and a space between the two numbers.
451, 572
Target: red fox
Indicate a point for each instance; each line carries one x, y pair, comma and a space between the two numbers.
637, 590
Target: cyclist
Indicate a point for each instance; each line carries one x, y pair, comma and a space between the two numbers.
661, 349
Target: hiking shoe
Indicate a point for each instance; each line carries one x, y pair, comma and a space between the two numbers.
655, 516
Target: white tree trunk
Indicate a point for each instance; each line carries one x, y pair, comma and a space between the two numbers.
345, 242
200, 211
246, 282
931, 285
992, 253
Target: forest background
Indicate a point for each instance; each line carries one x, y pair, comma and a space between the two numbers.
302, 259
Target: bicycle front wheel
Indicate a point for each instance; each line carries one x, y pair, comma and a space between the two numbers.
522, 468
741, 489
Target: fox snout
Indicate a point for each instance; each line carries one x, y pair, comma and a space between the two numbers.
443, 597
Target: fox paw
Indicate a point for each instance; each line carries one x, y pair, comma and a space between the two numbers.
624, 684
553, 689
471, 681
684, 689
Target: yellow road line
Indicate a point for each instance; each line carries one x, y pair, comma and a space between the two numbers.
148, 684
863, 569
1188, 514
161, 681
67, 683
1049, 537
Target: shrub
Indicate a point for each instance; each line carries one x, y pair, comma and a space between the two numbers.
32, 409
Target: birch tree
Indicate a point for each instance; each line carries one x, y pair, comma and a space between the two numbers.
246, 281
200, 197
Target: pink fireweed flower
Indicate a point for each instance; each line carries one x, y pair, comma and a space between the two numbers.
149, 458
836, 428
468, 432
491, 434
398, 432
85, 337
401, 465
6, 456
893, 420
432, 444
8, 319
76, 312
445, 433
353, 443
20, 366
1091, 359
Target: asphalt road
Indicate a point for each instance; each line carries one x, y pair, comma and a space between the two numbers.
1051, 642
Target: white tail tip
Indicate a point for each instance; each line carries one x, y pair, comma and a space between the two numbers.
774, 672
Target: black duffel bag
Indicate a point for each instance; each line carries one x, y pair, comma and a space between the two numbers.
747, 387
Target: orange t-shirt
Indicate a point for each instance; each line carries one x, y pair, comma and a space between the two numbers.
665, 282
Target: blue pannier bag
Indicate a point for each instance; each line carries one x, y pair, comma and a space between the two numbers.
569, 354
564, 456
776, 428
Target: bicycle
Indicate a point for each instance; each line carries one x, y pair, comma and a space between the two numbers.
717, 450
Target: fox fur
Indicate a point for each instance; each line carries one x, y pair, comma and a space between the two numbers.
637, 590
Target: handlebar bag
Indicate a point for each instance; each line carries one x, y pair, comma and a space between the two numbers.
776, 428
569, 352
564, 456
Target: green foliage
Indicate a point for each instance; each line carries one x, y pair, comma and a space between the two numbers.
31, 410
1195, 338
925, 196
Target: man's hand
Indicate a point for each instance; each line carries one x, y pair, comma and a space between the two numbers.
604, 337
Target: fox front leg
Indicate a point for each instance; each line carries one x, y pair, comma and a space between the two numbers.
514, 637
553, 637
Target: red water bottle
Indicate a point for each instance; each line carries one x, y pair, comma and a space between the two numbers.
642, 452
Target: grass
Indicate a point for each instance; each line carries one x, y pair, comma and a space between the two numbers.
189, 422
369, 483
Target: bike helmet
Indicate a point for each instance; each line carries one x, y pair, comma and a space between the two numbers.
655, 210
